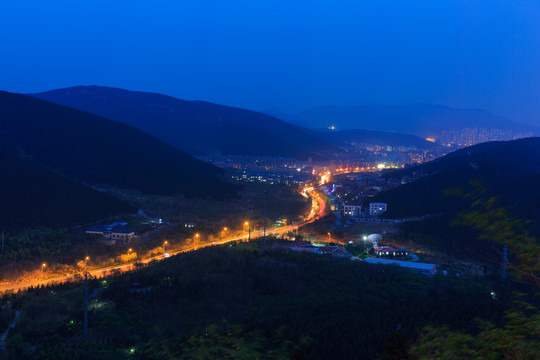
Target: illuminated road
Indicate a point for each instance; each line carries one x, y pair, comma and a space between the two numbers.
318, 210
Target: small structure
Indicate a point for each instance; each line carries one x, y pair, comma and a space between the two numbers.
122, 236
97, 230
334, 251
110, 236
424, 268
353, 209
387, 251
377, 208
401, 252
374, 239
310, 249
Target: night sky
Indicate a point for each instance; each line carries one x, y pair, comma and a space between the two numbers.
292, 55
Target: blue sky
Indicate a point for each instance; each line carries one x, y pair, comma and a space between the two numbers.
290, 54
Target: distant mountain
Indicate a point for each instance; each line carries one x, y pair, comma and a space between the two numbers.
277, 113
422, 120
379, 138
371, 137
92, 149
32, 196
195, 126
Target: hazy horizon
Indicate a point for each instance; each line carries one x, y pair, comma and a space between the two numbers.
280, 55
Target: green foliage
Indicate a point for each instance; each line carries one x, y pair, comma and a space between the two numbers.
233, 342
32, 196
275, 305
36, 244
497, 225
519, 338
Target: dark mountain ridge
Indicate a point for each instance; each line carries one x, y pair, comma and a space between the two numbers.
496, 175
380, 138
92, 149
424, 120
33, 196
195, 126
508, 170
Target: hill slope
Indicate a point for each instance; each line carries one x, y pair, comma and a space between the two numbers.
380, 138
463, 182
194, 126
31, 196
422, 120
96, 150
508, 170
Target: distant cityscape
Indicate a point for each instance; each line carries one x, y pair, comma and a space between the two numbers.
472, 136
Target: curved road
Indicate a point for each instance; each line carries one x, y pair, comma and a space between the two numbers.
316, 213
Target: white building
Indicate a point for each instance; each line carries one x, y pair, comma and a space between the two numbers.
352, 210
377, 208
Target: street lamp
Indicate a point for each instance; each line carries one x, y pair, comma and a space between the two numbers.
249, 230
329, 238
85, 260
223, 233
164, 243
42, 267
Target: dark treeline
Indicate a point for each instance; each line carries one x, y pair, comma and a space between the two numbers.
33, 196
240, 302
505, 172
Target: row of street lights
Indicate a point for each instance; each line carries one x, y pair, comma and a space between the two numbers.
130, 250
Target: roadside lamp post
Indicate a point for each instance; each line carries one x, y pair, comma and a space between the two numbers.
86, 298
223, 232
164, 243
249, 230
329, 238
130, 250
42, 268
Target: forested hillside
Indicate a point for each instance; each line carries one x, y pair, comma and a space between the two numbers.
508, 170
239, 302
95, 150
33, 196
195, 126
505, 174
